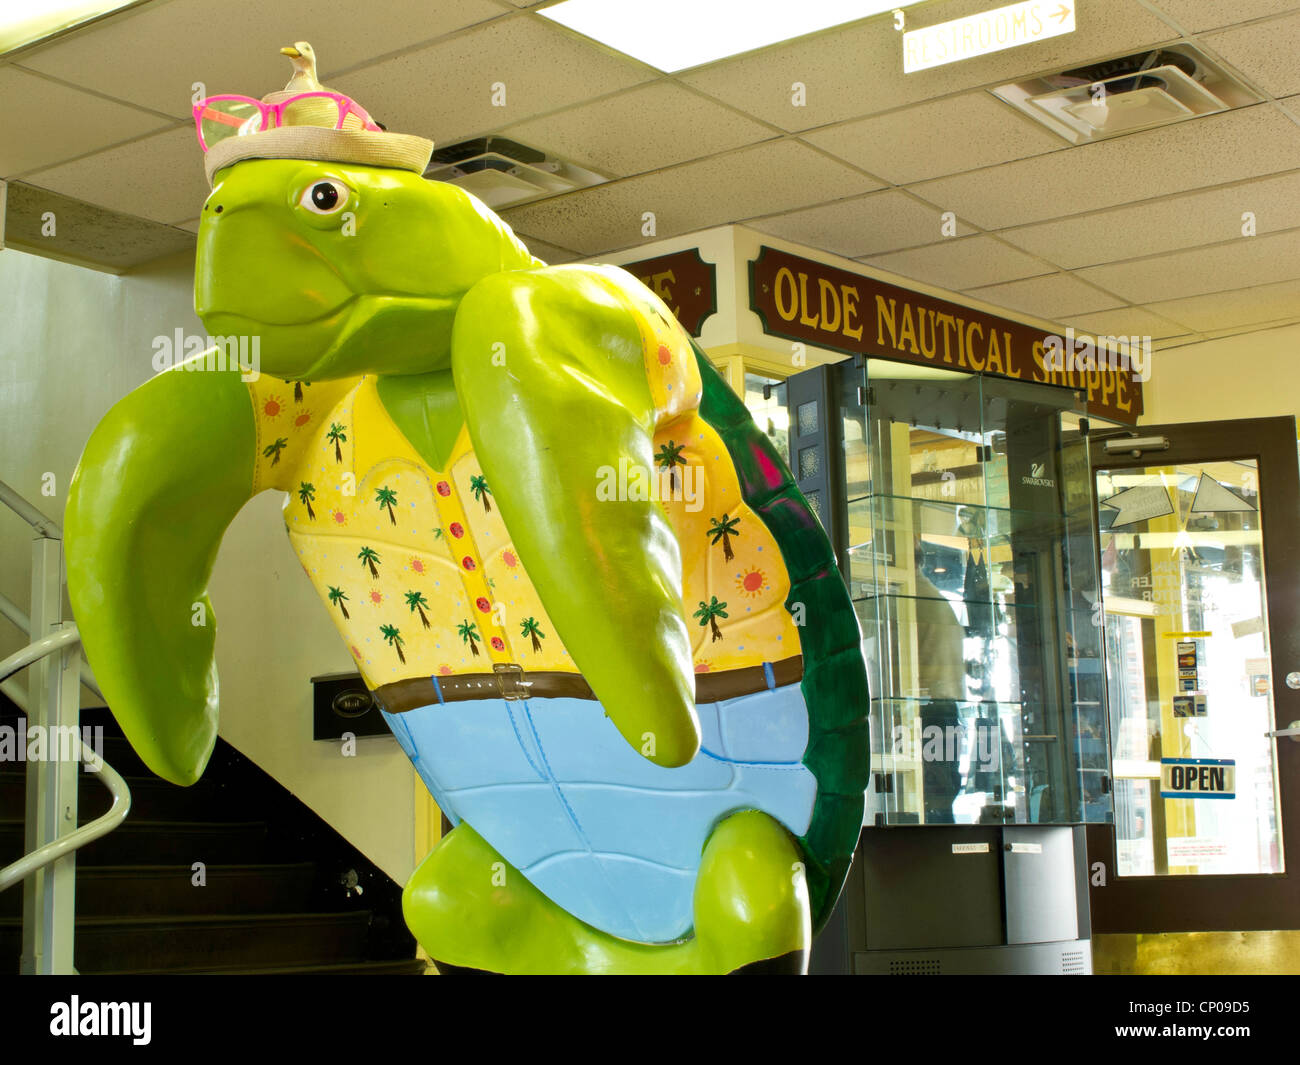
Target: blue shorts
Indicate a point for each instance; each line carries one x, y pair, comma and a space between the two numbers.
612, 838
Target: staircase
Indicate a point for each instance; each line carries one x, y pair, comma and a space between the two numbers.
282, 892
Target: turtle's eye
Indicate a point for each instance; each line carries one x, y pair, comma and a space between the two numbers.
325, 197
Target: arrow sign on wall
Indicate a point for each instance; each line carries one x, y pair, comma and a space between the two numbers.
1138, 504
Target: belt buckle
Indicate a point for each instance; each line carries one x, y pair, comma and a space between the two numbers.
510, 679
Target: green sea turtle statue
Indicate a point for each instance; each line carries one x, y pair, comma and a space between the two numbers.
598, 616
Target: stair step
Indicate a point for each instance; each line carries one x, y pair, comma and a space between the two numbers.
152, 798
121, 890
202, 942
160, 843
401, 967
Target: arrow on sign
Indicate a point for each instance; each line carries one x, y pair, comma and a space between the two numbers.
1061, 13
1212, 495
1138, 504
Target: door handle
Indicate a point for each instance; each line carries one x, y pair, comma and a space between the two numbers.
1292, 731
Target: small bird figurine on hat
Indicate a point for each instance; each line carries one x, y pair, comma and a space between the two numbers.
303, 57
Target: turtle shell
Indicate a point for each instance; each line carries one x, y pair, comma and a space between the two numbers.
835, 677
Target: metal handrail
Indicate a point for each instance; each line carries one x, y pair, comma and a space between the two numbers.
14, 613
48, 870
34, 652
28, 864
38, 521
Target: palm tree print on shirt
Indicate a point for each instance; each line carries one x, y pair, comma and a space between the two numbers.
272, 451
417, 603
724, 529
337, 435
469, 633
479, 486
669, 457
709, 614
528, 627
307, 492
393, 637
338, 598
386, 497
369, 557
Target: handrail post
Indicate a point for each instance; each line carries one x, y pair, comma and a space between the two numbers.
49, 903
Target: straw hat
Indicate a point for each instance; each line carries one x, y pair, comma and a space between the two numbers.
309, 134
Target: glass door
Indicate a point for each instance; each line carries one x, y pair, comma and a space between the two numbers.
1197, 529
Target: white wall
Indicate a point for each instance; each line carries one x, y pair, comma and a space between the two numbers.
1254, 375
72, 342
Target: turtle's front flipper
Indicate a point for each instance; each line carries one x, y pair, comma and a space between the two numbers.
551, 373
161, 478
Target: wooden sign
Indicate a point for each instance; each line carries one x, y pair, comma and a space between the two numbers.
803, 300
684, 281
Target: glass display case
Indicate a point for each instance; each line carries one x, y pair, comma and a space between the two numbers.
967, 535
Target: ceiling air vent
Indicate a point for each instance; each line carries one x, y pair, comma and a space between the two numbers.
1130, 93
504, 173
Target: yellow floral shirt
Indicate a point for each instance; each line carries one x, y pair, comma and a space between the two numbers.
418, 570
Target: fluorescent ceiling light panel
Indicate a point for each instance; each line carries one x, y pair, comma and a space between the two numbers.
25, 21
675, 34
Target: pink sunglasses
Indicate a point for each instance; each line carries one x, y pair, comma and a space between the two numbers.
219, 117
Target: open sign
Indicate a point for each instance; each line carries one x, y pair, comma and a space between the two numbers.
1198, 778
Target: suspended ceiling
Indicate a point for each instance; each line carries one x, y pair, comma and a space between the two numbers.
1140, 234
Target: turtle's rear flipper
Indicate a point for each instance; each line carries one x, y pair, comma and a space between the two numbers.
751, 912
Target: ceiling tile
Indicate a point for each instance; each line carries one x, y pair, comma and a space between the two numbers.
445, 91
1265, 52
764, 179
1197, 15
1163, 225
1242, 307
1053, 296
85, 232
857, 69
159, 177
961, 263
1245, 261
645, 128
1187, 155
234, 46
46, 122
937, 138
865, 225
1128, 322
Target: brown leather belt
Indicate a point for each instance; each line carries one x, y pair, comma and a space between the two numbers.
511, 682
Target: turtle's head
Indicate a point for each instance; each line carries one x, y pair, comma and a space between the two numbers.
342, 269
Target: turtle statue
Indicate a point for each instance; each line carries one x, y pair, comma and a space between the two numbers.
597, 614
